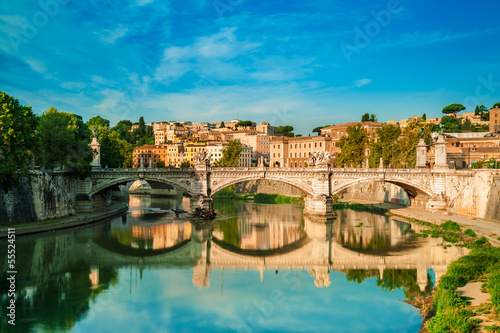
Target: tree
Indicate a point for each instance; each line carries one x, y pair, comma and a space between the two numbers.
405, 151
424, 117
286, 131
352, 147
298, 135
115, 151
453, 108
243, 123
369, 117
318, 129
496, 105
383, 146
222, 125
65, 141
96, 122
185, 164
160, 164
18, 139
230, 155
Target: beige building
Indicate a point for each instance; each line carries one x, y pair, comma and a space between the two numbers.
294, 152
495, 120
337, 131
165, 131
169, 154
216, 153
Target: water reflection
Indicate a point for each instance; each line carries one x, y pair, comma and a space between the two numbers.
250, 251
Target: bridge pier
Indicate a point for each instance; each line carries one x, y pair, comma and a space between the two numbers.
319, 206
202, 201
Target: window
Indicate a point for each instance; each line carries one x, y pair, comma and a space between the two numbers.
315, 144
320, 144
309, 145
278, 155
290, 154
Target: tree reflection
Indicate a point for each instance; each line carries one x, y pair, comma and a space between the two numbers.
405, 279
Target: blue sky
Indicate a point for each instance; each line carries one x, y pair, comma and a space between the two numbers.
303, 63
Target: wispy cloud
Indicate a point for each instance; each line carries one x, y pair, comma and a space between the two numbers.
363, 82
111, 36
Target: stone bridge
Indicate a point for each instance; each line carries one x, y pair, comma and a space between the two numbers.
440, 189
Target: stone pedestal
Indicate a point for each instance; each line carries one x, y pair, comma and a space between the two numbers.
421, 155
440, 154
96, 147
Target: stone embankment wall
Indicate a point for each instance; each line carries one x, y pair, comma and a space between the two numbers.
474, 193
267, 186
40, 196
375, 191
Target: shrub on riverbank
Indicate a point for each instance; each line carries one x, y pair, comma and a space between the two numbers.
452, 314
230, 193
359, 207
470, 232
276, 199
450, 226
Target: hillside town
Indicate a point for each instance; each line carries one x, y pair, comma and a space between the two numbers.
176, 143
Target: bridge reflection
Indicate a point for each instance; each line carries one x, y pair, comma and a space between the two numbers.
355, 241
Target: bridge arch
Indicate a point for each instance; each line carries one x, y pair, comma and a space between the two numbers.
413, 188
121, 180
218, 185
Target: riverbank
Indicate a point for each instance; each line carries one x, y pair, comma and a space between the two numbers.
261, 198
467, 298
62, 223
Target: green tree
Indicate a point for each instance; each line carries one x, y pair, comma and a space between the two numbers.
496, 105
318, 129
185, 164
222, 125
65, 141
352, 147
96, 122
405, 151
424, 117
230, 155
369, 117
18, 139
382, 146
298, 135
453, 108
285, 131
160, 164
115, 151
243, 123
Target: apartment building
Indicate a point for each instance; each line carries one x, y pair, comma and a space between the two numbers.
294, 152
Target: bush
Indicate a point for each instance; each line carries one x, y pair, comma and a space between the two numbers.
452, 320
450, 226
493, 287
481, 241
470, 232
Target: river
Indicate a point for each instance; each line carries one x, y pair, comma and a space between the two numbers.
256, 268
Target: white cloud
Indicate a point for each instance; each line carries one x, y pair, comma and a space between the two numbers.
209, 56
36, 65
73, 85
110, 36
363, 82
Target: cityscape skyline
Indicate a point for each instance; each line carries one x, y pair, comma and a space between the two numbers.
289, 63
